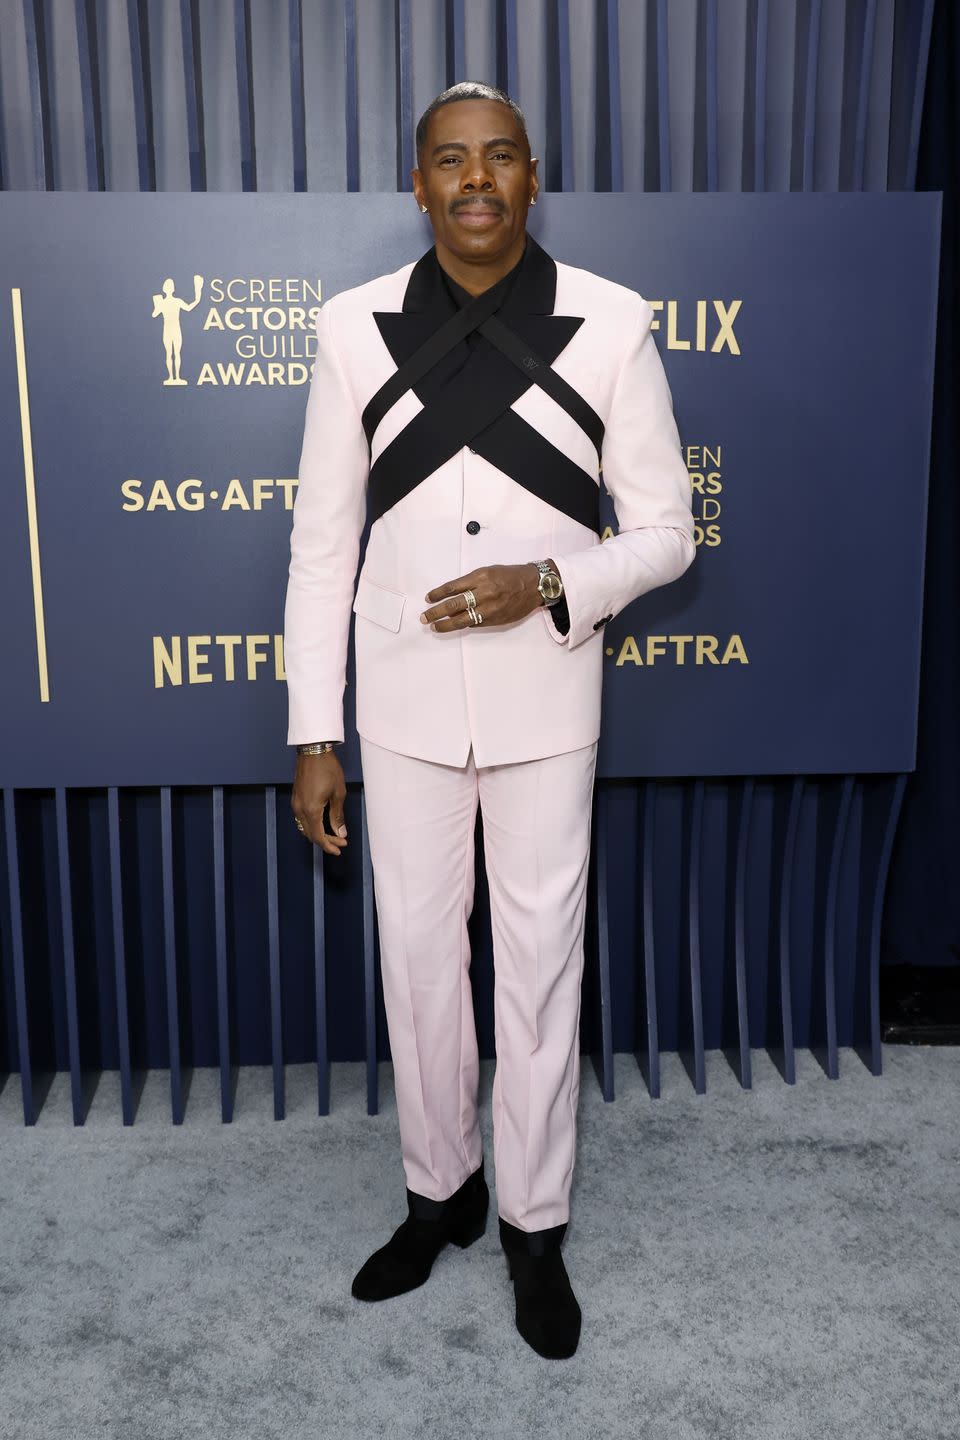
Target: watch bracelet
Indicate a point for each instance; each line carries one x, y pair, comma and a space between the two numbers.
319, 747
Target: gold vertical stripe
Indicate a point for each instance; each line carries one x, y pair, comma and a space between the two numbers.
31, 495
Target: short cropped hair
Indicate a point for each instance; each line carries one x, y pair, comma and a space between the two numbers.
468, 90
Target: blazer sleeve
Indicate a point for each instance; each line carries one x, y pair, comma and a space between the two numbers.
649, 484
328, 519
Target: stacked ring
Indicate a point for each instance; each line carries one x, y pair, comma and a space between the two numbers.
476, 617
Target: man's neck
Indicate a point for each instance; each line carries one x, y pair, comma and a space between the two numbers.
475, 276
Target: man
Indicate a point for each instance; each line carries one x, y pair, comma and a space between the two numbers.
464, 403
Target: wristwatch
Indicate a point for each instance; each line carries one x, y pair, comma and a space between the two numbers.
319, 747
550, 585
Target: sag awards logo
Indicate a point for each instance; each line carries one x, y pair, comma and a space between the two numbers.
252, 331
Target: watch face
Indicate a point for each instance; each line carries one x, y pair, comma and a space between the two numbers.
550, 586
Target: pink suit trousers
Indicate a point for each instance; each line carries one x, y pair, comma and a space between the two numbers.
536, 814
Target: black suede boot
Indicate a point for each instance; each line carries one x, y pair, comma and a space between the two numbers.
407, 1258
547, 1314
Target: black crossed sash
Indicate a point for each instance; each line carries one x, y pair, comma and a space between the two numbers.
467, 391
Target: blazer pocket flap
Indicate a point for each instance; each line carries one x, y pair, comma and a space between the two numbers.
377, 603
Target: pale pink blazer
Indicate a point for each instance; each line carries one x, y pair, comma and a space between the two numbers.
518, 691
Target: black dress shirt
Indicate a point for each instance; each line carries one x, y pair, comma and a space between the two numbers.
558, 612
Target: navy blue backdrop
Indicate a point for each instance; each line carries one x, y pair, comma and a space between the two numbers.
143, 572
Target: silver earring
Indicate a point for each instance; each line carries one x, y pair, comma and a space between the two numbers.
423, 209
533, 202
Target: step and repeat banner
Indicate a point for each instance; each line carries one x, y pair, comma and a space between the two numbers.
155, 356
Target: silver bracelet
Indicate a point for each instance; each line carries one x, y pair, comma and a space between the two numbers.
320, 748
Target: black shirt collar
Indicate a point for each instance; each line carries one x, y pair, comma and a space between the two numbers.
529, 288
500, 287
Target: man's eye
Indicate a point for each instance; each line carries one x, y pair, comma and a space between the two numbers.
499, 155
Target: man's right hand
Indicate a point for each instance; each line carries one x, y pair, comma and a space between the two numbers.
320, 782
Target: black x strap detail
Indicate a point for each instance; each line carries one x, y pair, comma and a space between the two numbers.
467, 391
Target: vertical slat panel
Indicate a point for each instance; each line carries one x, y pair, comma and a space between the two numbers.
507, 49
663, 96
273, 933
320, 982
913, 21
244, 60
298, 111
404, 65
880, 111
809, 113
693, 898
830, 926
69, 954
785, 940
456, 47
760, 98
37, 76
170, 956
43, 941
193, 92
916, 109
863, 94
605, 1069
615, 118
139, 33
369, 973
24, 1059
876, 919
224, 1048
351, 94
564, 98
88, 54
648, 796
744, 818
710, 95
119, 955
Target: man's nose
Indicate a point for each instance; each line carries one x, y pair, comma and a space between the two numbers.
477, 176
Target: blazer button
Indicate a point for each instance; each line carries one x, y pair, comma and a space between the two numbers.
472, 527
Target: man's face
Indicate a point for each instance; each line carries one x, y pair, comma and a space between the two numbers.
476, 179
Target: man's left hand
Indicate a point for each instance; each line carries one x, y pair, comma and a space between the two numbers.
503, 593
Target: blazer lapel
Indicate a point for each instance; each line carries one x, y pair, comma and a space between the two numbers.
467, 395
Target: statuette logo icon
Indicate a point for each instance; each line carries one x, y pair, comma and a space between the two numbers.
168, 305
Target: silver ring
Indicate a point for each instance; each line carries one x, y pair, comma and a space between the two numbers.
476, 617
470, 598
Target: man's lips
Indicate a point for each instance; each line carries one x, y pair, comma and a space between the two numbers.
477, 215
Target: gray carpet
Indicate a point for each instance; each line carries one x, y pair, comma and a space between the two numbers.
781, 1262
